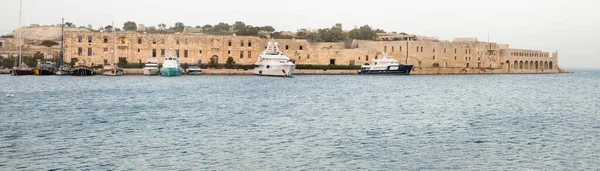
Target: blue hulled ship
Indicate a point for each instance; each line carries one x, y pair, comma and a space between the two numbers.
386, 65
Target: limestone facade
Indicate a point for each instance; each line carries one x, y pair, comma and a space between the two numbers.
468, 53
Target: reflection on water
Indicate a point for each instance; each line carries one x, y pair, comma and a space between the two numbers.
483, 122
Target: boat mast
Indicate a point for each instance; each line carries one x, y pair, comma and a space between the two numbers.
115, 44
62, 41
20, 32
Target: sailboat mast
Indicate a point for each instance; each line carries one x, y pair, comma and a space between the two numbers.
62, 41
20, 32
115, 44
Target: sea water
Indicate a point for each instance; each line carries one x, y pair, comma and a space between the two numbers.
440, 122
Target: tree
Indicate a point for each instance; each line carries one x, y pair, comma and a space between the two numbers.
49, 43
229, 62
248, 31
268, 29
162, 26
130, 26
108, 28
207, 27
179, 27
238, 25
69, 24
152, 29
221, 27
38, 55
363, 33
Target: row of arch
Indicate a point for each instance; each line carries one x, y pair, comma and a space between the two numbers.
531, 65
524, 54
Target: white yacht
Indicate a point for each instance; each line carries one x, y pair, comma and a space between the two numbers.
193, 70
151, 68
272, 62
386, 66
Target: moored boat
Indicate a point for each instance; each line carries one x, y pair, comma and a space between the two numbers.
45, 68
272, 62
81, 69
151, 68
171, 67
22, 69
193, 70
63, 70
112, 70
386, 65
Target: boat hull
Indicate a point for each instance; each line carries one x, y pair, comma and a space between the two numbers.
171, 72
401, 70
113, 72
83, 71
22, 72
44, 72
152, 71
194, 72
275, 70
63, 72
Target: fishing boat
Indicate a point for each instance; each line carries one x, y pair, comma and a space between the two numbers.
386, 65
151, 68
193, 70
272, 62
22, 69
113, 69
81, 69
45, 68
171, 66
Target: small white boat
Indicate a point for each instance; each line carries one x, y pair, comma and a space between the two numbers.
151, 68
112, 70
272, 62
193, 70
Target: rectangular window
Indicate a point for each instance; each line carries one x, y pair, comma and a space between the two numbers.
385, 49
162, 53
140, 41
421, 48
123, 41
185, 53
139, 50
89, 39
105, 39
153, 52
249, 54
300, 47
177, 41
331, 61
392, 48
242, 43
229, 43
287, 47
229, 52
154, 41
241, 54
400, 49
177, 53
417, 48
79, 39
79, 51
444, 50
249, 44
89, 51
433, 50
367, 57
200, 52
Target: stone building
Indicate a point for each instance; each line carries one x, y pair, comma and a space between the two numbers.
460, 54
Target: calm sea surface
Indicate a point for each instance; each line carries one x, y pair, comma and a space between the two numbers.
464, 122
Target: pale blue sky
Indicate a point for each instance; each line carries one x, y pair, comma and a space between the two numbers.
570, 26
